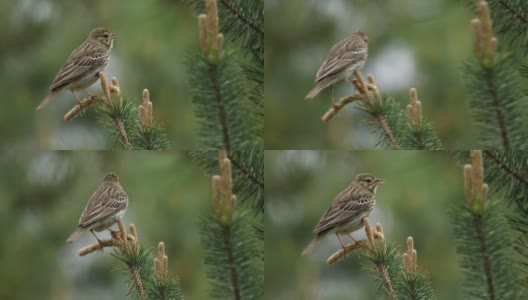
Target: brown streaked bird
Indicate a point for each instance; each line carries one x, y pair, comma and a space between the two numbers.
346, 57
348, 209
107, 205
82, 67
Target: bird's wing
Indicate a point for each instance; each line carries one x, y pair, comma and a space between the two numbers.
82, 60
107, 200
341, 56
347, 205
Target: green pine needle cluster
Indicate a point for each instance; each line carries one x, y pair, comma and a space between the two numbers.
233, 257
506, 174
227, 119
387, 262
242, 23
485, 253
498, 104
416, 287
510, 21
388, 115
228, 92
122, 116
139, 272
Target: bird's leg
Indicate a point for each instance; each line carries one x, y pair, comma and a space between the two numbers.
76, 98
355, 241
341, 242
91, 95
81, 109
98, 240
332, 95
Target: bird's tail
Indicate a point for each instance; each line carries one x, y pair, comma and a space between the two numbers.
315, 91
310, 246
75, 235
46, 101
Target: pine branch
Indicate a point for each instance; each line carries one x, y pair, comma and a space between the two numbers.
415, 284
239, 165
220, 92
231, 260
419, 135
388, 117
504, 165
230, 243
370, 105
507, 175
242, 22
387, 263
148, 277
248, 174
486, 262
133, 129
384, 257
239, 15
510, 17
497, 101
213, 76
164, 287
483, 240
408, 282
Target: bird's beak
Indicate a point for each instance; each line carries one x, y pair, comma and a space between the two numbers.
380, 181
114, 35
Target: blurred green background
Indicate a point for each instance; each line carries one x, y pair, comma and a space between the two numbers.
412, 43
37, 37
42, 195
414, 200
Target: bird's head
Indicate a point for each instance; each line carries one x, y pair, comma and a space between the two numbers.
368, 181
362, 35
103, 36
111, 177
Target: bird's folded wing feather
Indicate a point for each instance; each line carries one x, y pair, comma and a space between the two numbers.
347, 205
341, 56
107, 200
79, 63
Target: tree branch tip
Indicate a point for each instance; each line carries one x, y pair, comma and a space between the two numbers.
95, 247
161, 248
341, 253
80, 107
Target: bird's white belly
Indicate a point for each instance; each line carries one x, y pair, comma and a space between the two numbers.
349, 72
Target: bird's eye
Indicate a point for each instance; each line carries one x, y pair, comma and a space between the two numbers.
368, 180
106, 36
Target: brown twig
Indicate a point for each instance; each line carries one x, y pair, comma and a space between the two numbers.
77, 109
138, 281
372, 234
122, 132
367, 93
343, 252
117, 240
336, 107
109, 89
387, 280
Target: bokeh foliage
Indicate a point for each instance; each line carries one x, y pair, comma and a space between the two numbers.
37, 37
42, 195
